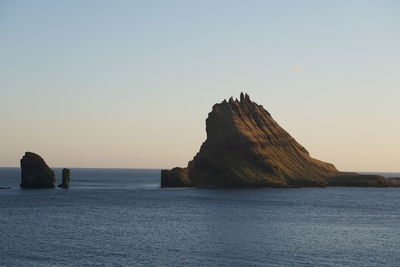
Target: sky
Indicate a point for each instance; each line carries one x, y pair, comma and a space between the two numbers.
129, 84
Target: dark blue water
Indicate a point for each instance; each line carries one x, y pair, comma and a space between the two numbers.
112, 217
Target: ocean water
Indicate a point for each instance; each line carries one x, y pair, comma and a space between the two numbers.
120, 217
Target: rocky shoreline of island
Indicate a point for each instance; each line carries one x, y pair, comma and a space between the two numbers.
246, 147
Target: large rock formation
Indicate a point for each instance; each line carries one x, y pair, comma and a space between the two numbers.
35, 173
246, 147
65, 178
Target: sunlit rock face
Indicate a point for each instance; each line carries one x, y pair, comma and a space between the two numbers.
246, 147
35, 173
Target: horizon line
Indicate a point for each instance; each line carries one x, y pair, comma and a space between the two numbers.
130, 168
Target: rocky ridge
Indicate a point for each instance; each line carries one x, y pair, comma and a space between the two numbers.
246, 147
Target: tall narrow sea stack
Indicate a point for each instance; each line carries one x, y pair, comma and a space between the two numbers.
66, 173
246, 147
35, 173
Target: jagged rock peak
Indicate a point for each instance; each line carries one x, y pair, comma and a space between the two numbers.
246, 147
244, 107
244, 97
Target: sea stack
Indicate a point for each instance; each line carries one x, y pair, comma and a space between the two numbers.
246, 147
65, 178
35, 173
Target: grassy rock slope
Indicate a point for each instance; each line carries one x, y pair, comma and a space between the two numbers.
246, 147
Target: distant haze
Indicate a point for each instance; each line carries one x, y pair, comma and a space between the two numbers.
130, 83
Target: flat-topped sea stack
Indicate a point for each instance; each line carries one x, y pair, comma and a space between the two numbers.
35, 173
246, 147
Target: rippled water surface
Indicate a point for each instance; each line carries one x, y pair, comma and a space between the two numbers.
117, 217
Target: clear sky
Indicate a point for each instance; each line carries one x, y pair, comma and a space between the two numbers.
129, 83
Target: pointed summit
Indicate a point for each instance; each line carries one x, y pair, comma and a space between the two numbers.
246, 147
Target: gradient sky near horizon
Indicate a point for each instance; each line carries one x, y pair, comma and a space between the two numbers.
128, 84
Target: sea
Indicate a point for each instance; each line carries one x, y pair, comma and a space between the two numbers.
121, 217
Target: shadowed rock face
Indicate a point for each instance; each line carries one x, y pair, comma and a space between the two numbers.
246, 147
35, 173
